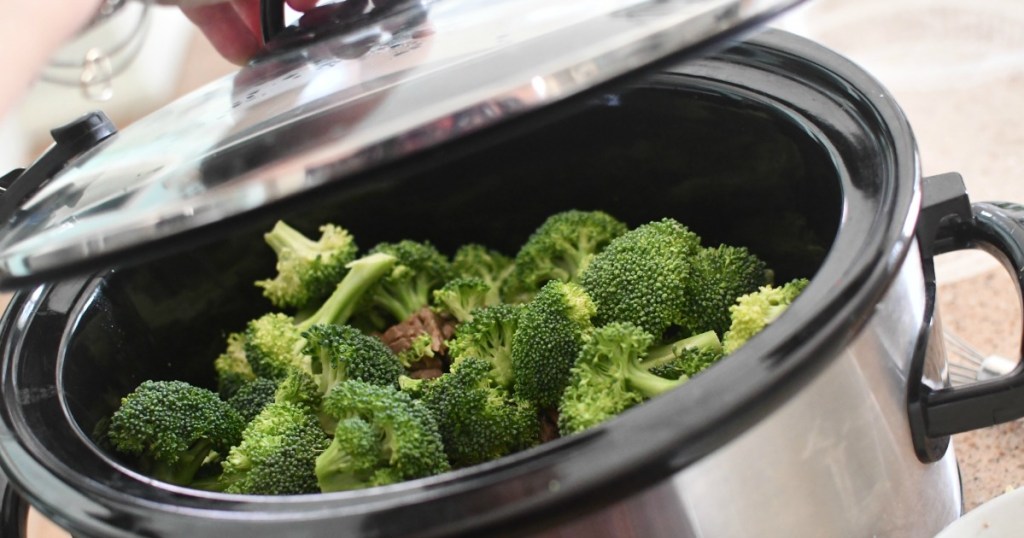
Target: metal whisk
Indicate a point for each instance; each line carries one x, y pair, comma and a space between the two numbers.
972, 365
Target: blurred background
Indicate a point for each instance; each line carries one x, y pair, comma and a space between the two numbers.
956, 68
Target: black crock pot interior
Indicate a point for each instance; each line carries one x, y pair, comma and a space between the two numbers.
735, 164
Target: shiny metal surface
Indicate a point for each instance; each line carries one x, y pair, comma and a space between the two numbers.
425, 74
836, 460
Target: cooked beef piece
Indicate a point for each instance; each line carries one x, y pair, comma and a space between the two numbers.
400, 337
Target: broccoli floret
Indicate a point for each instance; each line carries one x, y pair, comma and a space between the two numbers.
274, 343
687, 357
277, 454
385, 437
170, 427
420, 269
342, 352
253, 397
459, 297
561, 249
607, 378
307, 270
299, 388
478, 421
641, 276
754, 311
489, 336
717, 277
421, 347
232, 368
547, 340
477, 261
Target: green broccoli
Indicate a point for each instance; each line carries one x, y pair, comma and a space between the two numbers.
232, 368
420, 269
489, 336
300, 388
687, 357
385, 436
478, 421
641, 276
421, 347
717, 277
561, 248
171, 427
754, 311
274, 343
277, 453
477, 261
342, 352
607, 377
460, 296
547, 340
252, 397
307, 270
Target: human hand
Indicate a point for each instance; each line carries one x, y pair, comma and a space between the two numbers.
233, 26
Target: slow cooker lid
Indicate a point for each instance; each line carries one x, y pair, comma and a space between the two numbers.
411, 77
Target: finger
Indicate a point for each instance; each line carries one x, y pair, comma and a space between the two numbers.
226, 31
249, 12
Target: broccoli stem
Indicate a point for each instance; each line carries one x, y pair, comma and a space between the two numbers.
666, 353
283, 237
362, 274
184, 469
650, 385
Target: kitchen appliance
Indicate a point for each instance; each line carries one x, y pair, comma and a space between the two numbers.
135, 250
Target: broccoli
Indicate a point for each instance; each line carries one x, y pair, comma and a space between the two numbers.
277, 453
299, 388
421, 347
489, 336
420, 269
477, 261
547, 340
232, 368
461, 296
561, 249
341, 352
171, 427
478, 421
687, 357
754, 311
641, 276
717, 277
607, 378
252, 397
274, 343
385, 436
307, 270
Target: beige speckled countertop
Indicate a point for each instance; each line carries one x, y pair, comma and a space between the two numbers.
957, 68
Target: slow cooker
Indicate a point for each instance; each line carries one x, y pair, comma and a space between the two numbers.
468, 120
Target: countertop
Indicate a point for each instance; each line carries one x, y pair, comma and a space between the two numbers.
957, 69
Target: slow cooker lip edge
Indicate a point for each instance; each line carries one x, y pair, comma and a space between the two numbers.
896, 122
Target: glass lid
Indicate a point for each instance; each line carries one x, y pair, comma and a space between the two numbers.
356, 93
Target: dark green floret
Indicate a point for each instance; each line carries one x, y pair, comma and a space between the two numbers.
477, 261
687, 357
718, 276
478, 421
252, 397
547, 340
420, 270
641, 277
342, 352
300, 388
561, 249
754, 311
384, 437
274, 343
489, 336
277, 454
461, 296
607, 378
169, 428
307, 270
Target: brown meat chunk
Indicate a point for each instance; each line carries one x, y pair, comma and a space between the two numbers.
400, 337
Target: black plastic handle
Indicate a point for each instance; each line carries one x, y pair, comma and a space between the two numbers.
996, 227
271, 19
13, 511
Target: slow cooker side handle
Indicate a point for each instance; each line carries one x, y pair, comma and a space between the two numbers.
13, 510
996, 227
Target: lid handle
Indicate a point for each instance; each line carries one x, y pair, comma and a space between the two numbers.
271, 19
70, 141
